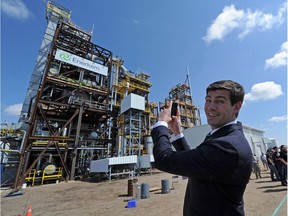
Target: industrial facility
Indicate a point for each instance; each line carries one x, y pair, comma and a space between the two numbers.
84, 113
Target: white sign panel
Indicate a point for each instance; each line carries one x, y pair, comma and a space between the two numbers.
67, 57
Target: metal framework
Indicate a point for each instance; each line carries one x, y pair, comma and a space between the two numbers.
134, 125
132, 134
189, 113
68, 115
71, 113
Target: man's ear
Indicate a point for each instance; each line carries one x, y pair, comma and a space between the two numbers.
237, 106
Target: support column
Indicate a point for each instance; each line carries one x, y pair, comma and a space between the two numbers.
74, 154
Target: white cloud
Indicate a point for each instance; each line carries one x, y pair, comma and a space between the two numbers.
278, 118
279, 59
15, 9
264, 91
225, 23
13, 110
244, 21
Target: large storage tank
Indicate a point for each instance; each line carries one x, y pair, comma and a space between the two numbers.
148, 144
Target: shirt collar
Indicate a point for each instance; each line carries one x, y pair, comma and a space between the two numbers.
214, 130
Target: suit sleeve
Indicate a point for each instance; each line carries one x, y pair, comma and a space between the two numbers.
191, 162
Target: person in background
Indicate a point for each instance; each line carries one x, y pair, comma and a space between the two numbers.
220, 167
279, 164
273, 171
264, 161
256, 167
283, 159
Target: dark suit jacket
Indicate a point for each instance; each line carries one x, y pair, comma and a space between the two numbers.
218, 169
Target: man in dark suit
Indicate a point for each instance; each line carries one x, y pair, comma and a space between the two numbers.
220, 167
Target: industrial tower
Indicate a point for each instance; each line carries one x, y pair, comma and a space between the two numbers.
72, 110
67, 102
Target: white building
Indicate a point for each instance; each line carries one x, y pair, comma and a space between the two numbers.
273, 142
255, 137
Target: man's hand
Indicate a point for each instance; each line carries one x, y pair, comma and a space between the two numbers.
174, 122
165, 114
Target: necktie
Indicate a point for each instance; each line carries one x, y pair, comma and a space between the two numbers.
208, 136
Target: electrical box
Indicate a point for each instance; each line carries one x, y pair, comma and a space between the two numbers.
133, 101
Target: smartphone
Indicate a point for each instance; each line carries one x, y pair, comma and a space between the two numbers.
174, 109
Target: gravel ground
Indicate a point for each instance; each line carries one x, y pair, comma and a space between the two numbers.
262, 198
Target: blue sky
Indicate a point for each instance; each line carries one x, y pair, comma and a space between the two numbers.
241, 40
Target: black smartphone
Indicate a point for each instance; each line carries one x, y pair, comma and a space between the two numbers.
174, 109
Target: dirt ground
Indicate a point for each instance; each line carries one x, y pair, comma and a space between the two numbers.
107, 198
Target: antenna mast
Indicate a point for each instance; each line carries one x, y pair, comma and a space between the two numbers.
190, 89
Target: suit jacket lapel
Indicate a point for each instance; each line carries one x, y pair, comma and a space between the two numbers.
223, 131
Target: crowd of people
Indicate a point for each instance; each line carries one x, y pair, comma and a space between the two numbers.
275, 160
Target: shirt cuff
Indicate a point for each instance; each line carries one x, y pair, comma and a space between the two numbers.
178, 136
159, 123
163, 123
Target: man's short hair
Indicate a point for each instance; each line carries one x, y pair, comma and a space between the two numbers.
236, 90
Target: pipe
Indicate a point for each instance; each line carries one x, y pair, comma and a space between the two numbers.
50, 158
124, 69
9, 150
23, 139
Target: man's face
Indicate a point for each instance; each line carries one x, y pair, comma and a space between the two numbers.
218, 108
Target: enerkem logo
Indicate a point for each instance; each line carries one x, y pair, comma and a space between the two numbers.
65, 56
78, 61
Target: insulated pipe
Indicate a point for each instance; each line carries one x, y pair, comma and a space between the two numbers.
124, 69
23, 140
